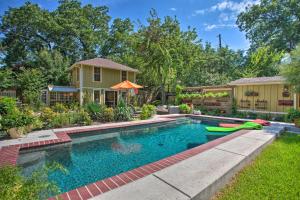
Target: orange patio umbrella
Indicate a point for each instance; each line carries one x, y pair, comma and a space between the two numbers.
126, 85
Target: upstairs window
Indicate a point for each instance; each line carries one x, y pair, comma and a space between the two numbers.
97, 74
124, 76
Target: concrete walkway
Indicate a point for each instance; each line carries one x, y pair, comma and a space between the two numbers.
200, 176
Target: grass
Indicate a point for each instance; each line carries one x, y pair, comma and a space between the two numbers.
274, 174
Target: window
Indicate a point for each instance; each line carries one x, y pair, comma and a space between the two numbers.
77, 73
97, 74
124, 76
97, 96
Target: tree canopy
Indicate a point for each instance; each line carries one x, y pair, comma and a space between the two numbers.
50, 41
272, 22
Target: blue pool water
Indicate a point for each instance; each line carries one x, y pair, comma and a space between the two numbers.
95, 156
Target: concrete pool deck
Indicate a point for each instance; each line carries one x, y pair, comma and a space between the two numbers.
193, 174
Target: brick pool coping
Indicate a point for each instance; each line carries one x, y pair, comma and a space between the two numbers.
9, 156
108, 184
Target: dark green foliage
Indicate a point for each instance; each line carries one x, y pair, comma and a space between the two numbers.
95, 110
15, 186
6, 79
291, 70
185, 109
55, 119
31, 82
60, 108
273, 22
147, 111
122, 111
292, 115
108, 115
12, 117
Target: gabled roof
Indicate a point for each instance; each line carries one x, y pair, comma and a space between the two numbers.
105, 63
258, 80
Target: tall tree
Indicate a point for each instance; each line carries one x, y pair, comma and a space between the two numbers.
272, 22
83, 30
262, 62
25, 30
291, 69
54, 66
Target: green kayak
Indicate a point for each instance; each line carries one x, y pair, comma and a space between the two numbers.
246, 125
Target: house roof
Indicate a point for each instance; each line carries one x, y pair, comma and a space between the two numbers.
258, 80
55, 88
105, 63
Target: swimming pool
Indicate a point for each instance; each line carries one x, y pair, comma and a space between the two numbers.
97, 155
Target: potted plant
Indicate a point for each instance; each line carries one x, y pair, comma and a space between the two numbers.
294, 116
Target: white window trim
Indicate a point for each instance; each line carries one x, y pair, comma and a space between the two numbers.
121, 75
100, 74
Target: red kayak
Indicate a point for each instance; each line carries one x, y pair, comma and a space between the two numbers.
259, 121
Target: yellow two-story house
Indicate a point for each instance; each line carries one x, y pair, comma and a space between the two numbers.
94, 78
91, 81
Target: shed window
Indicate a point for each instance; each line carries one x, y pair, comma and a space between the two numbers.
97, 74
124, 76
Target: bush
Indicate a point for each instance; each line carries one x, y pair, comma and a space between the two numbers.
123, 112
12, 117
185, 109
60, 108
147, 111
108, 115
80, 117
15, 186
7, 105
292, 115
94, 110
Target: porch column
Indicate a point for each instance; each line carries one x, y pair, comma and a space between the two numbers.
81, 85
295, 100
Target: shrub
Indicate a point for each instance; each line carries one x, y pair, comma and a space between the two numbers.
81, 117
60, 108
60, 120
123, 112
47, 115
147, 111
292, 115
108, 115
15, 186
94, 110
7, 105
185, 109
12, 117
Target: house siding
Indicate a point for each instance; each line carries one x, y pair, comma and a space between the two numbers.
272, 94
109, 77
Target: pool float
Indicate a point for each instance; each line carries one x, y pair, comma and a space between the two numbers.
246, 125
258, 121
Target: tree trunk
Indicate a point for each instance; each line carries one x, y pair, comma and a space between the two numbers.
163, 94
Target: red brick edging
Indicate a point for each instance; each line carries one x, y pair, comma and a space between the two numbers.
9, 155
105, 185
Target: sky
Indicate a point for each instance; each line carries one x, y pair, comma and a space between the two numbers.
209, 17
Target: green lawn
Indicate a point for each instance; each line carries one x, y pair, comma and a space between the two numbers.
274, 174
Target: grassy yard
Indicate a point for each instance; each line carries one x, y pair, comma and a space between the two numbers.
275, 173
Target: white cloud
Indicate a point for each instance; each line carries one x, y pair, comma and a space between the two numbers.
234, 6
209, 27
173, 9
227, 5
